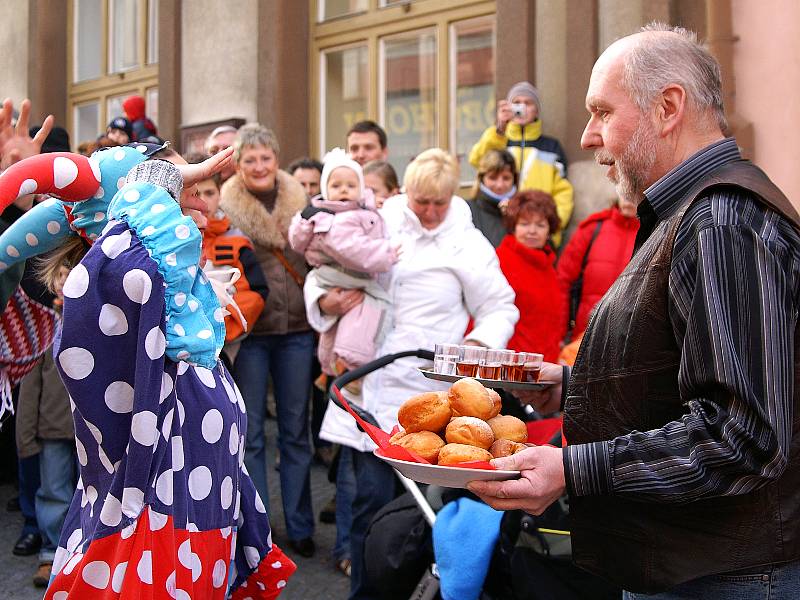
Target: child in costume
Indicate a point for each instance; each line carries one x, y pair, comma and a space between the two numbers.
344, 238
164, 507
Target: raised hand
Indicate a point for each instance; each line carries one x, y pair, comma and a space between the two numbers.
504, 115
16, 142
200, 171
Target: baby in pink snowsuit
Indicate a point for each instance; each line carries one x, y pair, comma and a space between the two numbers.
344, 238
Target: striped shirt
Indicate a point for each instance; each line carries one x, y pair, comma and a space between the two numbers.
733, 298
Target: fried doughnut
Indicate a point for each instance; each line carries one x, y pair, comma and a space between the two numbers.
469, 430
424, 443
506, 427
502, 448
498, 403
453, 454
468, 398
425, 412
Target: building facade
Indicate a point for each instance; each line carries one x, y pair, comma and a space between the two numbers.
430, 71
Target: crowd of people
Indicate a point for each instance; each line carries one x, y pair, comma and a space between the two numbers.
320, 268
334, 266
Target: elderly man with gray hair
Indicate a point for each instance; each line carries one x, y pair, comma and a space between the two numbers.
681, 412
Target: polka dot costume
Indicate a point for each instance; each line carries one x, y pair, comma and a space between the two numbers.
164, 507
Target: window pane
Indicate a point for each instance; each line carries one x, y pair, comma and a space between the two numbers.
151, 104
328, 9
114, 106
152, 32
88, 39
124, 35
87, 122
408, 105
344, 94
473, 107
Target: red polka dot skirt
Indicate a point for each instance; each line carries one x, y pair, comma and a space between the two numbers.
152, 560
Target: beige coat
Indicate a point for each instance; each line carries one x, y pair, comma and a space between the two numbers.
284, 311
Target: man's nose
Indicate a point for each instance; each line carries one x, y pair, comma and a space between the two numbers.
590, 138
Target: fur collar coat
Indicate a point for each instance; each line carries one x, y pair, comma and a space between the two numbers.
284, 311
245, 211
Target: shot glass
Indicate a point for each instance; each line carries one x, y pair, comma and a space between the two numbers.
513, 366
445, 357
469, 358
492, 365
532, 367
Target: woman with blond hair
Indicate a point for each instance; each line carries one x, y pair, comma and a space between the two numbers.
447, 272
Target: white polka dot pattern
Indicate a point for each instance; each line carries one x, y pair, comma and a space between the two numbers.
65, 171
77, 282
77, 363
200, 483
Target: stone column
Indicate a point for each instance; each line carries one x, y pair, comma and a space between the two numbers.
516, 44
169, 70
283, 86
47, 60
582, 38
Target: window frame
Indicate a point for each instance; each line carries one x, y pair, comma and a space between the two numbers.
320, 114
477, 21
432, 30
134, 81
382, 21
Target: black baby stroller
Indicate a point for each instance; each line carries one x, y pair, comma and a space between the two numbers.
532, 560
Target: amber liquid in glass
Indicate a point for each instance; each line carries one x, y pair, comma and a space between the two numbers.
513, 372
531, 373
467, 369
494, 371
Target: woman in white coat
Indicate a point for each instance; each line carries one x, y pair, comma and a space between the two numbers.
448, 271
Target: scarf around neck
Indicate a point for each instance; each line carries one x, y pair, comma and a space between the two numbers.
490, 195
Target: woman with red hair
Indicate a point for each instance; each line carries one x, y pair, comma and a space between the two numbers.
527, 260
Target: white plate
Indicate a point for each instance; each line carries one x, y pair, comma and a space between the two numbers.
452, 477
490, 383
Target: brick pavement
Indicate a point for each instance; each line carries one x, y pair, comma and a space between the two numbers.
315, 578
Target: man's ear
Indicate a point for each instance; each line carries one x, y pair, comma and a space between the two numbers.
671, 108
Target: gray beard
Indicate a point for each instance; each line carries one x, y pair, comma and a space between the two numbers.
634, 166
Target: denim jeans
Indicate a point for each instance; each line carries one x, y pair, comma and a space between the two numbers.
287, 360
345, 492
773, 582
57, 466
28, 470
375, 484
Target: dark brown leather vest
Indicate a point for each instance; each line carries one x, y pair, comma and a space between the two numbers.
626, 378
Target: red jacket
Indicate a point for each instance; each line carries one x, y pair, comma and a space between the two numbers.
542, 317
608, 256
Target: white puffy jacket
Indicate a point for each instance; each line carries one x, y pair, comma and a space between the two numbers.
444, 276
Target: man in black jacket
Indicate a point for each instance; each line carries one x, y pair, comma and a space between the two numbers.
683, 463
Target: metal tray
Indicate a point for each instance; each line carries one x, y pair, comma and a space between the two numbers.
490, 383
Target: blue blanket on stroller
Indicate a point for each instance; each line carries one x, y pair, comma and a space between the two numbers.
464, 536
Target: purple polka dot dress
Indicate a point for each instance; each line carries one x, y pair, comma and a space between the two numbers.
164, 506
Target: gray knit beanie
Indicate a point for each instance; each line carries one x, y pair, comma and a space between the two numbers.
525, 88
